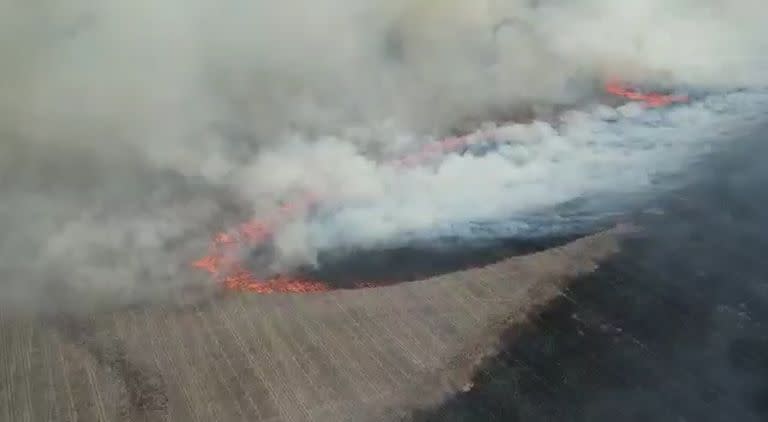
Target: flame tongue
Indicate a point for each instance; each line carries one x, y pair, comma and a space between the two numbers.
241, 279
651, 99
225, 260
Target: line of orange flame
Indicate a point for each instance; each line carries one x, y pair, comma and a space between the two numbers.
224, 261
651, 99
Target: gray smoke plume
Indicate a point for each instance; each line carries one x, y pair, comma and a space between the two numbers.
132, 131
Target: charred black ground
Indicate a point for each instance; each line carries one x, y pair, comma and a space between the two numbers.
410, 263
671, 329
413, 261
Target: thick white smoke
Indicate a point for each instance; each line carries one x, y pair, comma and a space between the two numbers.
608, 154
132, 130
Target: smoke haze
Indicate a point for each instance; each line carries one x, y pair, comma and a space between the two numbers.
132, 131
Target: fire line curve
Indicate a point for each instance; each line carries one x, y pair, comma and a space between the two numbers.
225, 261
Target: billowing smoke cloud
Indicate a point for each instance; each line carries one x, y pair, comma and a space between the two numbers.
133, 130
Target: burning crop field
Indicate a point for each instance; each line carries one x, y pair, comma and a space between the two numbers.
330, 210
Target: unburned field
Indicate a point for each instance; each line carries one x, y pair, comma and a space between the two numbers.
367, 354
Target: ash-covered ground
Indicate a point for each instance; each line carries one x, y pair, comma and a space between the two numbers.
673, 328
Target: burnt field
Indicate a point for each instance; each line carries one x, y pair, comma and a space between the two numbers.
412, 263
672, 328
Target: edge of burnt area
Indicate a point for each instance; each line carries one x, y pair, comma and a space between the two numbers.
522, 349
